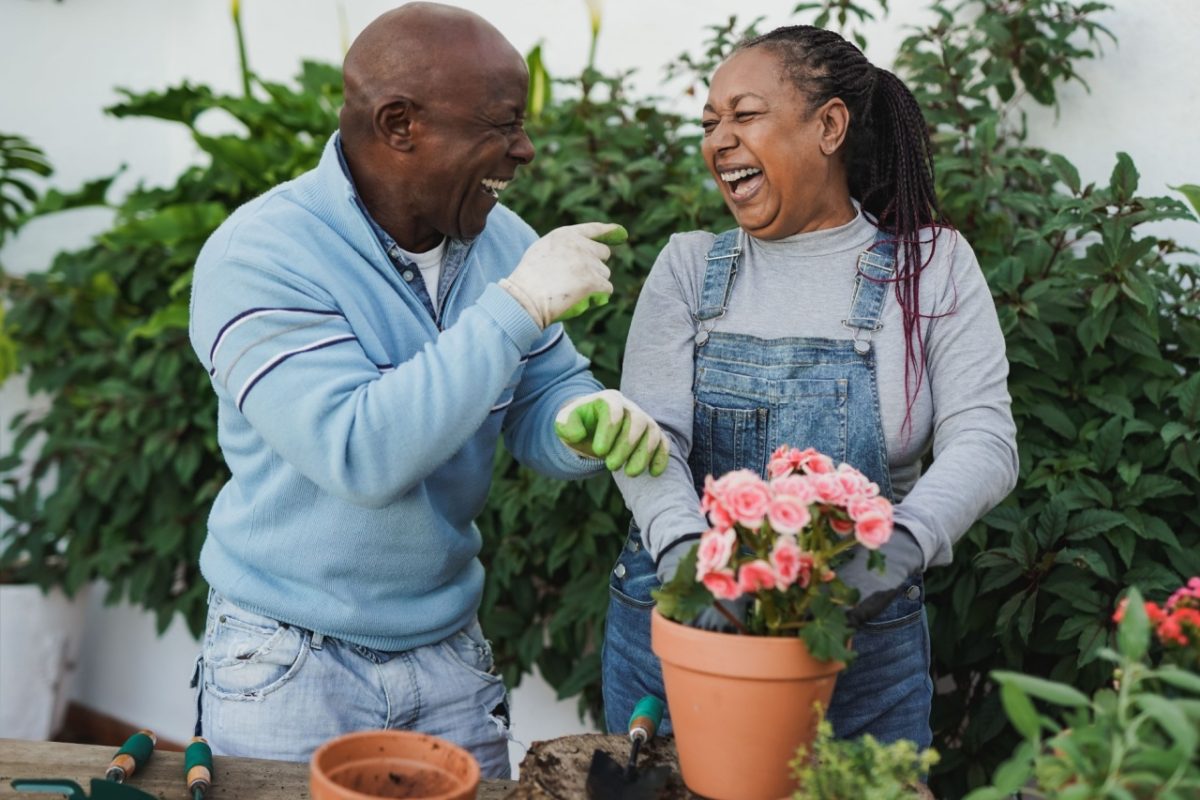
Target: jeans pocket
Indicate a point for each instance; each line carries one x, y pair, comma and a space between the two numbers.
729, 438
248, 656
904, 610
470, 650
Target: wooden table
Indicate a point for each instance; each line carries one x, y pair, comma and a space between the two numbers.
240, 778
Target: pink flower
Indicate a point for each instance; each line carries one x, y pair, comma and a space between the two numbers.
788, 514
722, 584
829, 489
1190, 591
854, 483
842, 527
798, 486
790, 564
864, 506
711, 504
747, 497
716, 546
755, 576
872, 530
780, 464
814, 463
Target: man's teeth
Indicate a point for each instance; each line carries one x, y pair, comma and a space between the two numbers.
494, 186
738, 174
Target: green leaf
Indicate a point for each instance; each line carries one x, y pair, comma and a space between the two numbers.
1192, 192
1020, 711
1084, 558
1180, 679
1066, 172
1124, 180
1050, 691
1133, 634
1172, 720
1093, 521
1056, 420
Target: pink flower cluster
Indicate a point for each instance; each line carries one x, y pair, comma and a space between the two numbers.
804, 485
1177, 623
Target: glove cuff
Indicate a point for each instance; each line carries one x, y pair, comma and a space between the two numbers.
525, 300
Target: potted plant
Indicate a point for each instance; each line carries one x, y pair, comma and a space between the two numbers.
1136, 740
41, 626
748, 697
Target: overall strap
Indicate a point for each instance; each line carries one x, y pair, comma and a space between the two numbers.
719, 271
875, 278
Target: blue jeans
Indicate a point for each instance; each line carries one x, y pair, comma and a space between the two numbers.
885, 692
276, 691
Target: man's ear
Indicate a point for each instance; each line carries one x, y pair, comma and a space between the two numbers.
393, 123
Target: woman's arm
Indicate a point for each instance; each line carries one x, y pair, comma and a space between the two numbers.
974, 437
657, 375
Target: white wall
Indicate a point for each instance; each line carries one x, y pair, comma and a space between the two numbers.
60, 62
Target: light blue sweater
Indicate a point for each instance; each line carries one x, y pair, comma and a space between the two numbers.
360, 437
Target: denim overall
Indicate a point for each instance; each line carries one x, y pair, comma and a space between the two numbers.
752, 395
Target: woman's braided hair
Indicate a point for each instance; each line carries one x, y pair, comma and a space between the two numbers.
888, 157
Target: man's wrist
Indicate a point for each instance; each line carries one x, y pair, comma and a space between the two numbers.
524, 299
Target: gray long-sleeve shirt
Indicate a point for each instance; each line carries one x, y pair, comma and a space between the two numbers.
801, 286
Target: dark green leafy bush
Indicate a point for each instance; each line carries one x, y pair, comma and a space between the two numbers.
131, 432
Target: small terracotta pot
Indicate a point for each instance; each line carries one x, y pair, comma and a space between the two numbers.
400, 764
740, 706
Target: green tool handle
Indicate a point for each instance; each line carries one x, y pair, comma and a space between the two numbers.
646, 717
133, 755
617, 235
198, 767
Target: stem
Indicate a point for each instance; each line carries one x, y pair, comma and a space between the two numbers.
241, 45
734, 621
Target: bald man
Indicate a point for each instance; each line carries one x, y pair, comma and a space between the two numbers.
371, 329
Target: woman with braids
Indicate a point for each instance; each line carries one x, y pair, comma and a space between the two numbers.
840, 314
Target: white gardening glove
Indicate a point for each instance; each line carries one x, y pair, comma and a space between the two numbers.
559, 270
609, 425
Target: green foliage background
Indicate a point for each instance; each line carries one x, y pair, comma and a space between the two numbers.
1101, 319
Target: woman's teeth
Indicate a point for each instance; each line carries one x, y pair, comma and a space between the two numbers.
738, 174
493, 187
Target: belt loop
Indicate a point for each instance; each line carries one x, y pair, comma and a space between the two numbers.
318, 641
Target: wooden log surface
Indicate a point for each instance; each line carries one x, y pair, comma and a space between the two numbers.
235, 779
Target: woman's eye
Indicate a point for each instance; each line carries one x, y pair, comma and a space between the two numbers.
743, 116
709, 125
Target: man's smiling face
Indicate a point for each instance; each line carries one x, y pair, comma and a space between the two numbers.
469, 141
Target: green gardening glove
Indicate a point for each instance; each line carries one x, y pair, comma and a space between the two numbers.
610, 426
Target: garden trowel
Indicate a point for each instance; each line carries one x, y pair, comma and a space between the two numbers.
101, 789
608, 780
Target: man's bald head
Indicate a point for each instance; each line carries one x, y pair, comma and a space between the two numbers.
433, 124
424, 53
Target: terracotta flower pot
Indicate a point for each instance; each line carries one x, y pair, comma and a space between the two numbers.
740, 706
373, 764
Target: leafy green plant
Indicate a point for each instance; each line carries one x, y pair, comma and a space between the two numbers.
130, 435
840, 769
1135, 740
20, 161
1103, 338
